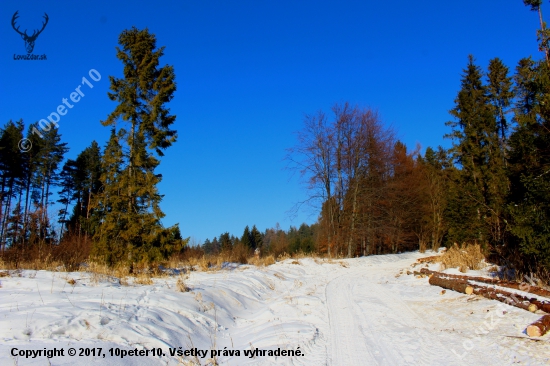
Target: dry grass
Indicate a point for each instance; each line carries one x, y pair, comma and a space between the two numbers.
181, 285
465, 257
46, 264
344, 264
283, 256
262, 261
100, 272
143, 279
301, 255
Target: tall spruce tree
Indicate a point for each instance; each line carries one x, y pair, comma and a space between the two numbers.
142, 96
473, 209
529, 164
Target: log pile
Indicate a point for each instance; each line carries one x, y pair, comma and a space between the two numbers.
474, 285
462, 284
503, 283
540, 327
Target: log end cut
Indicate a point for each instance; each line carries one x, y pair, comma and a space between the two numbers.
533, 331
539, 328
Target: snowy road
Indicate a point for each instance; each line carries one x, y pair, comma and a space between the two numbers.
372, 322
363, 311
370, 326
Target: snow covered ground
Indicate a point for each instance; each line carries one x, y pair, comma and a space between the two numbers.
347, 312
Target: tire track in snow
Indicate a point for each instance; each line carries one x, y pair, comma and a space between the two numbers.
400, 333
347, 346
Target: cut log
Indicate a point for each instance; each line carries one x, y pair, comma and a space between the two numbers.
452, 285
505, 297
514, 285
540, 327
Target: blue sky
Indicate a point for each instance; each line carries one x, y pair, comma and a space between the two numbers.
247, 72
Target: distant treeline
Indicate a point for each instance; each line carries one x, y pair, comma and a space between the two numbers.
274, 241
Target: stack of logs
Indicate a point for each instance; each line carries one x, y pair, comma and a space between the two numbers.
464, 285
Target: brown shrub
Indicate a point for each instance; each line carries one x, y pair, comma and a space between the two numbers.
464, 257
67, 255
240, 253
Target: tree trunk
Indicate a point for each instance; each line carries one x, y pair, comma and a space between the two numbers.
19, 234
539, 328
6, 213
353, 217
26, 214
543, 28
2, 217
45, 213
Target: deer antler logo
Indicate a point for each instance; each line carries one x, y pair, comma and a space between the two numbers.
29, 40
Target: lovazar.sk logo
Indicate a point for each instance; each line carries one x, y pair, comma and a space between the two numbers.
29, 40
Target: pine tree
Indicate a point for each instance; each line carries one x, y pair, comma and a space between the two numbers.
245, 238
207, 247
256, 238
31, 181
500, 94
67, 193
215, 245
50, 156
225, 242
12, 170
87, 182
543, 34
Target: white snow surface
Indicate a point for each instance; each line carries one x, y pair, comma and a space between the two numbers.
358, 311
